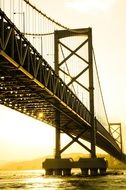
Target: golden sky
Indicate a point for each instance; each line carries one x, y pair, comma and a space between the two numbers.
21, 137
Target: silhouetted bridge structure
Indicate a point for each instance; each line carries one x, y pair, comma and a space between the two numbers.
29, 85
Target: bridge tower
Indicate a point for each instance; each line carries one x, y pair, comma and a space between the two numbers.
116, 131
59, 166
64, 34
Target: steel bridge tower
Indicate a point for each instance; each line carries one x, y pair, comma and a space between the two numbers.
59, 165
63, 34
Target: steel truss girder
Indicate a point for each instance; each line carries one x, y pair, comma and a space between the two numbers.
29, 59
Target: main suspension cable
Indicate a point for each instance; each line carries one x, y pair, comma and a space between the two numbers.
52, 20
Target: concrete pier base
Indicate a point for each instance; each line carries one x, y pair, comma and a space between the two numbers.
63, 166
84, 171
58, 166
57, 172
94, 171
92, 164
102, 171
49, 172
66, 172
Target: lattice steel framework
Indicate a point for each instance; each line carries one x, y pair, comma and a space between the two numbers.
89, 67
116, 132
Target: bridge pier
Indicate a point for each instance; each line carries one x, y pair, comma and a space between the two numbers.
85, 171
57, 134
94, 171
58, 171
63, 167
67, 172
57, 166
49, 172
102, 171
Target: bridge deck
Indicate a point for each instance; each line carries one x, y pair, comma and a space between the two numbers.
29, 85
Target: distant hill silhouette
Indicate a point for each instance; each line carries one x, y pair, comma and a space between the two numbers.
36, 164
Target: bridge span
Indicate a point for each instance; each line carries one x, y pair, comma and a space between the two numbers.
29, 85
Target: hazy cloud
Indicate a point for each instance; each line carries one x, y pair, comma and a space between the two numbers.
90, 6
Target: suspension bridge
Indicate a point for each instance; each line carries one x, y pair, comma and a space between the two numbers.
49, 72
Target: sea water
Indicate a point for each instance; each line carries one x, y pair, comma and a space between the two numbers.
35, 180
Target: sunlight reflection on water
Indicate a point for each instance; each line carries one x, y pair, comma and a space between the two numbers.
34, 180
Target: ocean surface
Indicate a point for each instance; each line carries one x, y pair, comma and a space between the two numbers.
34, 180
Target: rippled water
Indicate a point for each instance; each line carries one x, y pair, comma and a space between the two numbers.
34, 180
